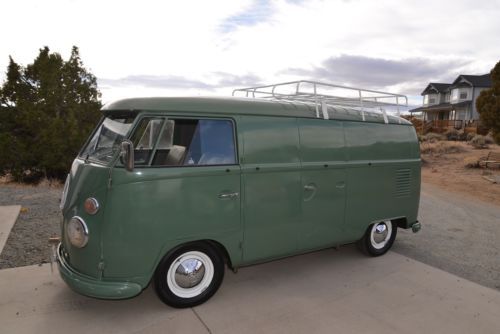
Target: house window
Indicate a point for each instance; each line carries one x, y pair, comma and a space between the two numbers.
463, 95
430, 99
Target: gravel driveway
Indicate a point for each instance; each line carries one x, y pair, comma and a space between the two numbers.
459, 234
38, 220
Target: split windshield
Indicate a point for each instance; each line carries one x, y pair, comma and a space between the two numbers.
105, 142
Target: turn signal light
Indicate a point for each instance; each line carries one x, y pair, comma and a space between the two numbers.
91, 206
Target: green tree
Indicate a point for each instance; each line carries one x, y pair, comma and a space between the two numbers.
488, 104
47, 110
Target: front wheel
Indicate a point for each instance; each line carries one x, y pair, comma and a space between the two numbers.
189, 276
378, 238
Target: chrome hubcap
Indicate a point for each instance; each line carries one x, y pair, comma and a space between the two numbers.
380, 234
189, 273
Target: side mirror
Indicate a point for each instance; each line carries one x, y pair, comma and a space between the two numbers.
127, 155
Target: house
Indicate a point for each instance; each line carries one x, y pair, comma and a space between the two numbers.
446, 106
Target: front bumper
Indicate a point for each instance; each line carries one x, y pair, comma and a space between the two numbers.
92, 287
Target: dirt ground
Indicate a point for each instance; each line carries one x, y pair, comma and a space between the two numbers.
448, 171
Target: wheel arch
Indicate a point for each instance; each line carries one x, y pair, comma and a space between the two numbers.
216, 245
401, 222
222, 250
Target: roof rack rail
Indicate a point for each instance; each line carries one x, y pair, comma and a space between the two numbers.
324, 95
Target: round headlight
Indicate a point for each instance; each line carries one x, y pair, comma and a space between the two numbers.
91, 206
77, 232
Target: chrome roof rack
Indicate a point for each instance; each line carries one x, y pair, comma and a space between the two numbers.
326, 95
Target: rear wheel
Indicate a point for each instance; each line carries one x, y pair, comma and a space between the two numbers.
378, 238
189, 276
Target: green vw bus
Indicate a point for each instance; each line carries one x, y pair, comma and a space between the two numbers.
173, 190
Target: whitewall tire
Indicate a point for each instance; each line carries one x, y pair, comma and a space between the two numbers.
189, 275
378, 238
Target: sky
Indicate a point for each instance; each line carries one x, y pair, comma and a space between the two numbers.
205, 48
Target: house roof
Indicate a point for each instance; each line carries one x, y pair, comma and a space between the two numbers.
446, 106
475, 80
438, 87
483, 80
442, 106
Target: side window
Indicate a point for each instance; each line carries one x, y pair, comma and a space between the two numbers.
212, 143
184, 142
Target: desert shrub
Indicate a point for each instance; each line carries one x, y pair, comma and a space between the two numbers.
470, 135
454, 134
491, 136
451, 134
433, 137
479, 142
441, 148
471, 162
489, 140
496, 138
462, 135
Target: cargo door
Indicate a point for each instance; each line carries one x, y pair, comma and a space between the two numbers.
323, 183
271, 186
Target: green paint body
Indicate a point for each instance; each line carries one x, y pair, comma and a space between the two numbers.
304, 183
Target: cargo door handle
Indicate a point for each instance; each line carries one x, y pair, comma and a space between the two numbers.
340, 185
228, 195
310, 191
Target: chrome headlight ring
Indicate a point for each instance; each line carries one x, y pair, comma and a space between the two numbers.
77, 232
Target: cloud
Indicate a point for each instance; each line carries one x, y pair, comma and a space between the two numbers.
366, 42
378, 73
215, 80
156, 81
231, 80
257, 11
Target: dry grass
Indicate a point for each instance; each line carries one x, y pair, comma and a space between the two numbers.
51, 183
471, 162
441, 147
481, 142
432, 137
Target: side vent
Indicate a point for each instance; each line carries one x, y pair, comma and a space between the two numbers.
403, 181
